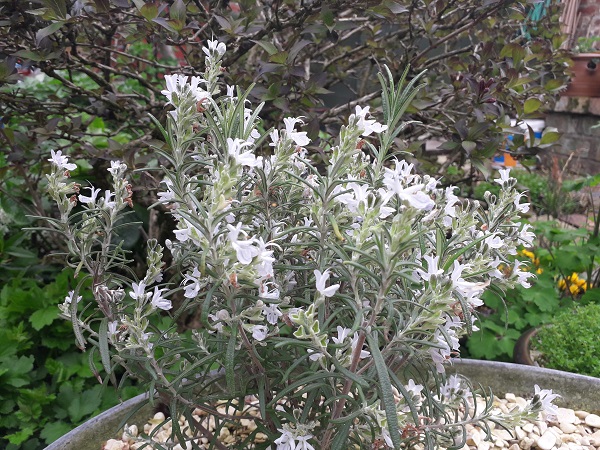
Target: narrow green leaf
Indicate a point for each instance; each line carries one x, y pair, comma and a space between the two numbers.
351, 375
174, 412
59, 7
102, 5
469, 146
262, 397
230, 360
268, 46
75, 320
149, 11
164, 133
340, 442
387, 395
103, 345
177, 11
47, 31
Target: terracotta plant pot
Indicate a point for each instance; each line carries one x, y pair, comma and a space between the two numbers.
522, 353
577, 391
586, 76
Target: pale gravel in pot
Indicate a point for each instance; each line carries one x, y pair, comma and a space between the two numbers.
568, 430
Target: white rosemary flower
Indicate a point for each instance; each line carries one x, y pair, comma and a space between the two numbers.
214, 46
60, 161
367, 126
321, 280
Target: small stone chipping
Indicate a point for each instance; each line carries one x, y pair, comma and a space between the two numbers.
569, 430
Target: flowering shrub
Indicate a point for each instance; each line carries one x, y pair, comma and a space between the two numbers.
335, 295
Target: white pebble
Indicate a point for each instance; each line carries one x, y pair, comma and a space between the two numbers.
567, 428
583, 440
484, 445
520, 434
474, 438
595, 438
114, 444
521, 402
260, 437
582, 414
566, 415
546, 441
526, 443
502, 434
592, 420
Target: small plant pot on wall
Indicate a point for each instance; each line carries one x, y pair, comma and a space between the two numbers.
569, 342
586, 76
523, 353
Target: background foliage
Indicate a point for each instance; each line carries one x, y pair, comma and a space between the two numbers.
563, 346
46, 384
484, 60
566, 263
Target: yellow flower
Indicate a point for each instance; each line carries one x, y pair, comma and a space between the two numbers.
562, 284
574, 277
574, 289
539, 271
529, 254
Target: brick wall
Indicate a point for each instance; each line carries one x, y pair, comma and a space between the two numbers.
589, 24
575, 118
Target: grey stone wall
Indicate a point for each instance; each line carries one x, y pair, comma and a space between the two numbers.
575, 118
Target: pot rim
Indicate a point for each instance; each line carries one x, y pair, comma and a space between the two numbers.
585, 55
579, 391
115, 416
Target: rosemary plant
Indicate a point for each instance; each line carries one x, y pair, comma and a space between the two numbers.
333, 295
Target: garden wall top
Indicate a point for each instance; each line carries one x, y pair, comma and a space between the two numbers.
578, 105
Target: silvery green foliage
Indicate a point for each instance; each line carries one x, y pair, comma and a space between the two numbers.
335, 295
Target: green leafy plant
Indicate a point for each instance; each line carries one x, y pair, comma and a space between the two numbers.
334, 294
46, 385
586, 44
506, 315
548, 194
480, 66
567, 266
570, 341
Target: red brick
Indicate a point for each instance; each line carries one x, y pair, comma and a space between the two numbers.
589, 10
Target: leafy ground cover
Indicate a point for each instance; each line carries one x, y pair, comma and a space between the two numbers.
46, 384
566, 262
